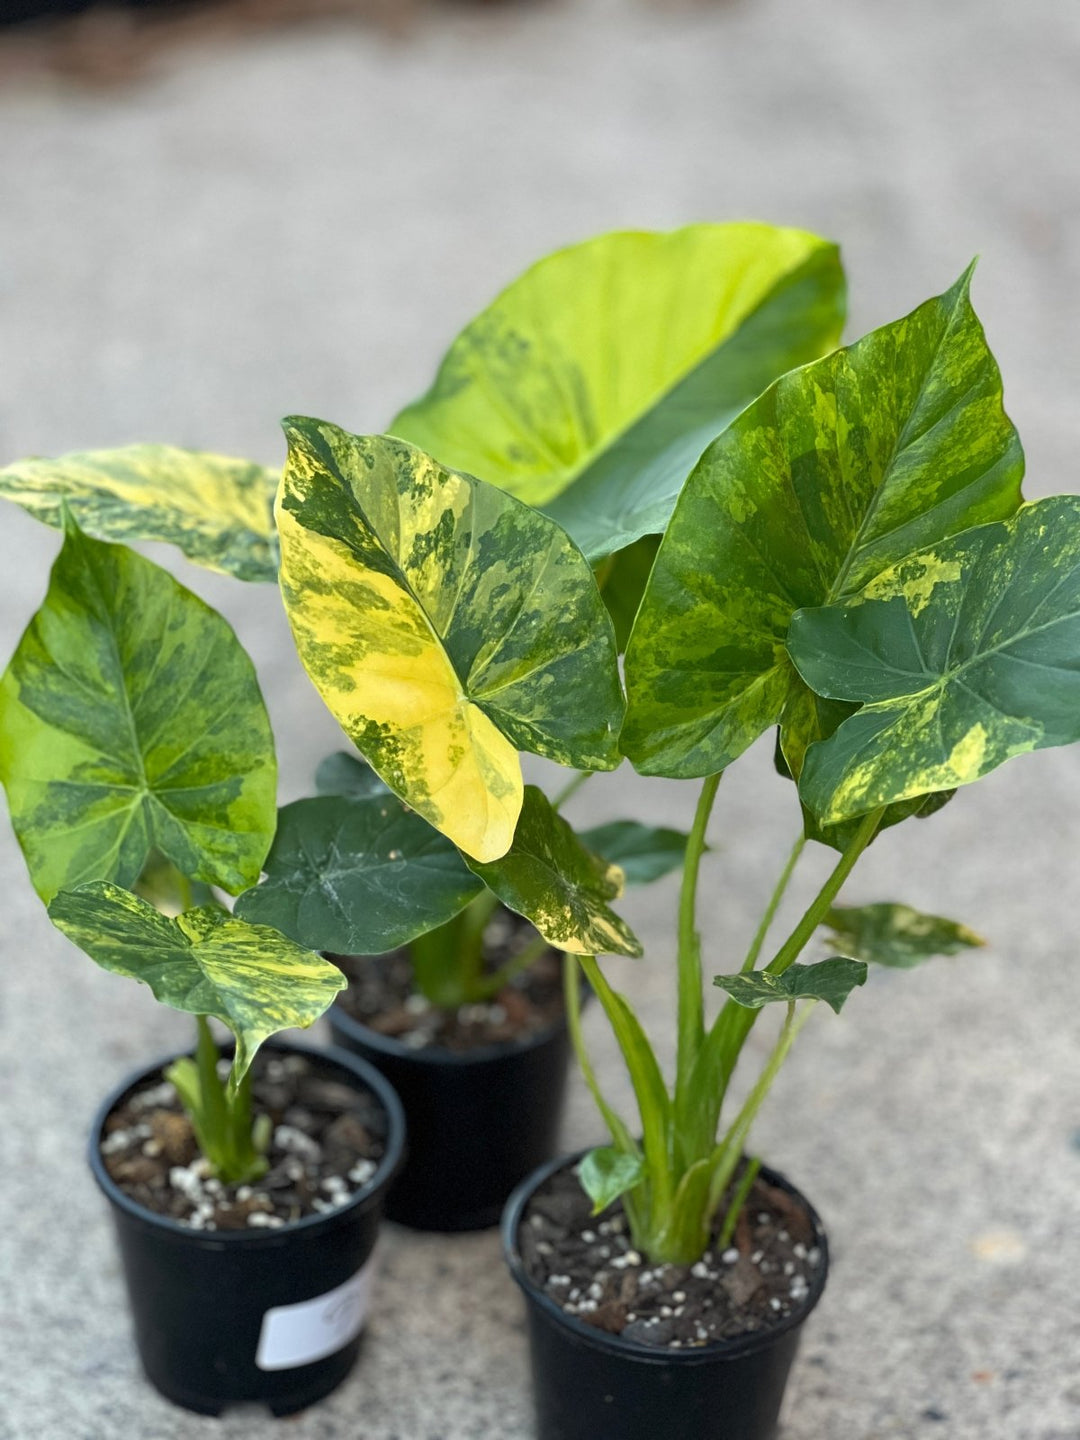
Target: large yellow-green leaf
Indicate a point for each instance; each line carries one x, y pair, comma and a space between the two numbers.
218, 510
966, 654
204, 962
839, 470
593, 382
561, 887
446, 625
131, 721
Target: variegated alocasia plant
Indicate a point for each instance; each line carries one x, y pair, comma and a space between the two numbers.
137, 756
646, 443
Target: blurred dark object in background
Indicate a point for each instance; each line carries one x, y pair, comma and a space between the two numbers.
109, 42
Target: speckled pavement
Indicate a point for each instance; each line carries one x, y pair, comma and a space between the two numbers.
300, 224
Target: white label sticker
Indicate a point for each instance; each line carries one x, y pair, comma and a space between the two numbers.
298, 1334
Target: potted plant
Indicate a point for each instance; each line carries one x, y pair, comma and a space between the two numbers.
462, 1001
136, 752
849, 560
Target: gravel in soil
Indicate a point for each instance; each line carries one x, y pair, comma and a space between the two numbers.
587, 1264
382, 996
327, 1141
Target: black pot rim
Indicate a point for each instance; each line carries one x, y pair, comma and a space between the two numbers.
368, 1194
730, 1349
435, 1055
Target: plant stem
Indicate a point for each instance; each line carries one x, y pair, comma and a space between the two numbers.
571, 788
738, 1200
572, 997
794, 945
729, 1150
470, 965
536, 947
734, 1022
691, 1001
774, 904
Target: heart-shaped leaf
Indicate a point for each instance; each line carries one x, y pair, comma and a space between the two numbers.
593, 382
829, 980
358, 876
131, 720
563, 889
444, 623
838, 471
896, 935
216, 509
606, 1173
967, 654
643, 853
204, 962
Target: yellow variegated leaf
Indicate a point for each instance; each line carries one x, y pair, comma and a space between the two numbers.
216, 509
203, 962
446, 625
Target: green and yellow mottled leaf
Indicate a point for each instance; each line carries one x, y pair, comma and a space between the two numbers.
643, 853
446, 625
965, 654
896, 935
561, 887
131, 721
829, 980
203, 962
358, 876
594, 381
217, 510
839, 470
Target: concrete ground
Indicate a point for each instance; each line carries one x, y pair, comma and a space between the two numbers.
299, 224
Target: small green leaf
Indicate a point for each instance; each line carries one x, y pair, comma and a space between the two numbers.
358, 876
561, 887
204, 962
607, 1173
829, 980
836, 472
700, 319
623, 578
644, 853
446, 625
896, 935
131, 721
966, 655
344, 774
217, 510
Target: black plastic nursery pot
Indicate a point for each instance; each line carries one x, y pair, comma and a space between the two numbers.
589, 1385
231, 1317
478, 1121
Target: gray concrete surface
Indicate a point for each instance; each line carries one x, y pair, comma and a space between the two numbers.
299, 225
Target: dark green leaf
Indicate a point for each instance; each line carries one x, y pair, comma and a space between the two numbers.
643, 852
204, 962
836, 472
358, 876
561, 887
896, 935
829, 980
607, 1173
967, 654
131, 721
344, 774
